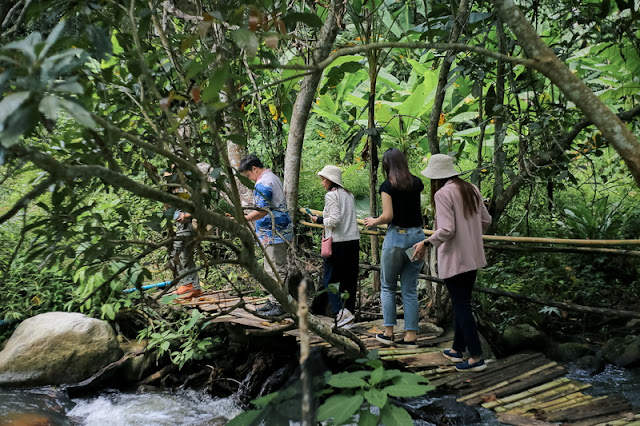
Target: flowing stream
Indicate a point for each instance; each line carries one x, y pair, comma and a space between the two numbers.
43, 406
184, 407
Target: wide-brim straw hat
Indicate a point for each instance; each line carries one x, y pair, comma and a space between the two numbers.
440, 167
333, 173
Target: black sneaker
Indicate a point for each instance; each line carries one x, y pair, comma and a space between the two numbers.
276, 311
266, 307
387, 340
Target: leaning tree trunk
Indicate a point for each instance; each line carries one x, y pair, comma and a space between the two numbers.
434, 118
302, 108
547, 63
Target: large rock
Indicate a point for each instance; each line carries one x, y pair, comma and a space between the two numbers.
56, 348
623, 351
523, 337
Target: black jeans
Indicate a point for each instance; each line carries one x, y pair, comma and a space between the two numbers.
342, 267
466, 332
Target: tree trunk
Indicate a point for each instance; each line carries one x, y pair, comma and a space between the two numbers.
612, 128
434, 118
302, 108
499, 156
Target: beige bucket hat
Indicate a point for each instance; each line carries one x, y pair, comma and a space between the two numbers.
333, 173
440, 167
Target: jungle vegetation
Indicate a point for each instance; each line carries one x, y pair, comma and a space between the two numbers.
537, 100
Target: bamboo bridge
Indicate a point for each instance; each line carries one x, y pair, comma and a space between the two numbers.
523, 389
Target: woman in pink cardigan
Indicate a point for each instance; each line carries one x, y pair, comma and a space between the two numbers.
461, 217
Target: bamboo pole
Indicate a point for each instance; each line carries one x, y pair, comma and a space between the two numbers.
556, 393
506, 382
529, 392
401, 351
502, 238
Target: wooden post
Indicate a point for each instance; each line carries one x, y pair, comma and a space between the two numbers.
303, 324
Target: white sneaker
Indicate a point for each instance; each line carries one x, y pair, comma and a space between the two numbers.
344, 317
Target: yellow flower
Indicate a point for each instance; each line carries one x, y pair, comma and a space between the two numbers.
320, 133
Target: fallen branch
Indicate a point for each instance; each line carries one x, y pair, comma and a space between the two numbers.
567, 306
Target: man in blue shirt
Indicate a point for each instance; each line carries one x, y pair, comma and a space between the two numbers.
272, 222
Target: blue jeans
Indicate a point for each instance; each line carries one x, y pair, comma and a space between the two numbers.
466, 332
396, 264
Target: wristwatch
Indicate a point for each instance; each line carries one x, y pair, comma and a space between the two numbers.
426, 243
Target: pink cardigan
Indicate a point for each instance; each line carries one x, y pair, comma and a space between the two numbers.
458, 239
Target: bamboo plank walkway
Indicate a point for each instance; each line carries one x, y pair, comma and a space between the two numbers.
523, 389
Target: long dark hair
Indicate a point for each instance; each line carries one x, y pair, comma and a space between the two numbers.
396, 169
470, 198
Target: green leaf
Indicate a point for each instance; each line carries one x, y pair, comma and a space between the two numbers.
348, 380
10, 103
340, 408
408, 390
211, 93
52, 38
27, 45
69, 87
246, 40
18, 123
78, 112
391, 374
376, 397
367, 418
250, 417
100, 44
396, 416
310, 19
376, 376
265, 400
408, 379
50, 107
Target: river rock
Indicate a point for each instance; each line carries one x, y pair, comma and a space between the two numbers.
569, 351
56, 348
447, 411
623, 351
521, 337
591, 364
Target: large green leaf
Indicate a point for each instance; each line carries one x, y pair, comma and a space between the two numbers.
376, 376
349, 379
51, 39
408, 379
50, 107
367, 418
246, 40
27, 45
396, 416
310, 19
10, 103
340, 408
376, 397
78, 112
247, 418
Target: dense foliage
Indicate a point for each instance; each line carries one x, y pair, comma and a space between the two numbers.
99, 98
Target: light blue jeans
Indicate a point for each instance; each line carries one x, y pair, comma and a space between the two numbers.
396, 264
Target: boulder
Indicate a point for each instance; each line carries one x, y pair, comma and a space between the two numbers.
56, 348
623, 351
569, 351
522, 337
446, 411
591, 364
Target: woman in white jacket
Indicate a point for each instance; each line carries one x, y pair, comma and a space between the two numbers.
340, 223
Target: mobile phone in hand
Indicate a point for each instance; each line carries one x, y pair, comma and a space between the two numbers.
411, 251
308, 211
